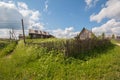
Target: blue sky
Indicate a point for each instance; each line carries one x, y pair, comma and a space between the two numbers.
65, 13
62, 18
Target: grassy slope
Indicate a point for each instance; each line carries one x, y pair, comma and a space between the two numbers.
115, 41
6, 47
44, 40
33, 63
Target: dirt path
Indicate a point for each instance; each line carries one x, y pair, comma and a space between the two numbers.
8, 56
118, 44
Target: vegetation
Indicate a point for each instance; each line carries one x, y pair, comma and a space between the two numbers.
32, 62
113, 36
3, 44
115, 41
72, 47
44, 40
6, 47
103, 35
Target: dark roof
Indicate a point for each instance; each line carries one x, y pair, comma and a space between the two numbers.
31, 31
84, 29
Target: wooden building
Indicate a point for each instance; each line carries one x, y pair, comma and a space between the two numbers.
39, 34
85, 34
118, 37
20, 36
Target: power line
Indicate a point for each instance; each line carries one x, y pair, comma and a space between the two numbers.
6, 23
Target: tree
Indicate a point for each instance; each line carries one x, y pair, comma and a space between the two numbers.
103, 35
113, 36
77, 37
93, 36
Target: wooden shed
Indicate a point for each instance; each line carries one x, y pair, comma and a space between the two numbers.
39, 34
118, 37
85, 34
20, 36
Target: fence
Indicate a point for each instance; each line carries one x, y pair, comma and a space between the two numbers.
74, 47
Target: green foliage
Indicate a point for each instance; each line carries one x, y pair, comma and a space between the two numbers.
44, 40
72, 47
27, 37
77, 37
113, 36
103, 35
7, 48
3, 44
93, 36
32, 62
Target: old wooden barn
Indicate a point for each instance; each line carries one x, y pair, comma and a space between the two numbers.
85, 34
39, 34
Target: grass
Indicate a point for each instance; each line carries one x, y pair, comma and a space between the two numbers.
7, 47
44, 40
3, 43
31, 62
115, 41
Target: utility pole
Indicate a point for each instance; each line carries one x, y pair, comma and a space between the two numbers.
10, 35
12, 31
23, 31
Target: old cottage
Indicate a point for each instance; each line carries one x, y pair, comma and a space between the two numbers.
20, 36
39, 34
85, 34
118, 37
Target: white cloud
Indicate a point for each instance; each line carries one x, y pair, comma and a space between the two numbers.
31, 17
88, 2
46, 6
22, 5
91, 3
11, 15
4, 33
109, 28
111, 11
66, 33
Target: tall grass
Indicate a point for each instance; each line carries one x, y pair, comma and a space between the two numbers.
32, 62
7, 47
3, 44
74, 48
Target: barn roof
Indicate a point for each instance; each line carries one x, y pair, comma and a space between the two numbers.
87, 32
31, 31
84, 29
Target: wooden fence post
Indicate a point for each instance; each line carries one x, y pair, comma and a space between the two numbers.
23, 31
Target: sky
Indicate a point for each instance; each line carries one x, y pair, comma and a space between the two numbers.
61, 18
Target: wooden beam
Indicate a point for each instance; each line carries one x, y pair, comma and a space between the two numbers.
23, 31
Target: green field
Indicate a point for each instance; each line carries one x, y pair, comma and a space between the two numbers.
30, 62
